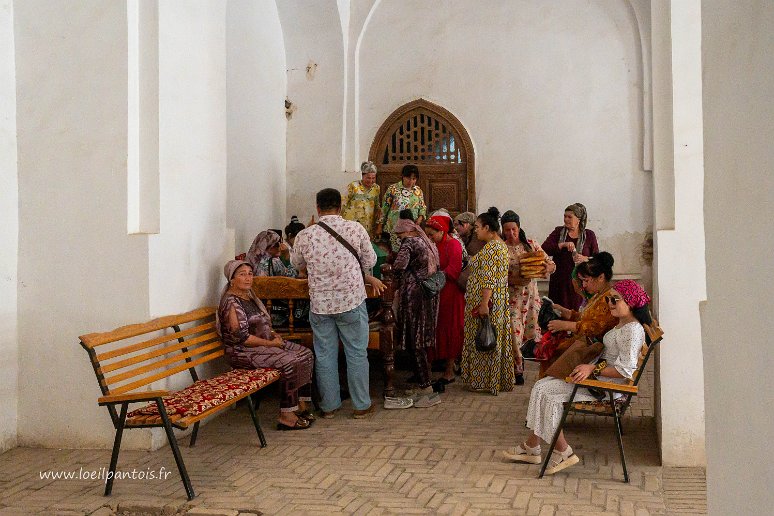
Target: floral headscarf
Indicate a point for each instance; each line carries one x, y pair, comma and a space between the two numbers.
632, 293
261, 245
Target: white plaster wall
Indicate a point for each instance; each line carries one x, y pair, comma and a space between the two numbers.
257, 85
186, 257
78, 270
9, 234
312, 33
550, 94
738, 111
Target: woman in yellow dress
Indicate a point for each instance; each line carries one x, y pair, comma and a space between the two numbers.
487, 295
361, 204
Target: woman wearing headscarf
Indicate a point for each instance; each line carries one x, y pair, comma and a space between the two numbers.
628, 303
269, 256
523, 294
487, 295
416, 260
244, 325
361, 203
451, 300
569, 245
291, 230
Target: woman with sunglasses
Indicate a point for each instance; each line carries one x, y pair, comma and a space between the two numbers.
628, 303
594, 319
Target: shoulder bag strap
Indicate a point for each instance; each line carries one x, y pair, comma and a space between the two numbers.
340, 239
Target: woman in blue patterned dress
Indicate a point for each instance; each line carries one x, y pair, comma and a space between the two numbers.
487, 295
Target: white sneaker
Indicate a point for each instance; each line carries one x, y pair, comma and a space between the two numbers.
417, 394
523, 453
398, 403
428, 400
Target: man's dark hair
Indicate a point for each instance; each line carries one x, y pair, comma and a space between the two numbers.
410, 170
329, 199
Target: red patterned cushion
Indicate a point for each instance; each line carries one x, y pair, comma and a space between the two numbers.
205, 394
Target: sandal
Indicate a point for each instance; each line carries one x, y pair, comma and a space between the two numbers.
523, 453
562, 460
307, 414
445, 381
301, 424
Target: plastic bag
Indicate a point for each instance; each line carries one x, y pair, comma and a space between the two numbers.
486, 338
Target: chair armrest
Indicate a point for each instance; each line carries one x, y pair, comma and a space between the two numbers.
132, 397
607, 386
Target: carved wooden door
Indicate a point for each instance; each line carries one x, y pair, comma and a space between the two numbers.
428, 136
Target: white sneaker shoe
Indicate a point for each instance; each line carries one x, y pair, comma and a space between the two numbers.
523, 453
417, 394
398, 403
428, 400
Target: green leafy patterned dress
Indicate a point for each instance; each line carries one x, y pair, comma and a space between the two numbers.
491, 371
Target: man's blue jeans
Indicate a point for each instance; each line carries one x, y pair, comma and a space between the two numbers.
352, 329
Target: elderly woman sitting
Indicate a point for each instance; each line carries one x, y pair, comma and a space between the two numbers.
245, 327
269, 256
622, 344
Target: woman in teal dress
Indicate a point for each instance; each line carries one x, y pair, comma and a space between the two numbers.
487, 295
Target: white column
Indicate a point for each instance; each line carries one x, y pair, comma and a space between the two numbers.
679, 209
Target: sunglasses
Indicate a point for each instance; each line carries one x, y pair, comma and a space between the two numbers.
613, 300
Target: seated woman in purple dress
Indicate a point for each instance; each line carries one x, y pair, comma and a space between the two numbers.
245, 327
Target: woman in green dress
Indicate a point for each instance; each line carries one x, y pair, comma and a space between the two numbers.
404, 195
487, 295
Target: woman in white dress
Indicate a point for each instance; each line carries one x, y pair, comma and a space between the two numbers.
628, 302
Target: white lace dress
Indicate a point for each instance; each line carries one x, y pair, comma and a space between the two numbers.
622, 349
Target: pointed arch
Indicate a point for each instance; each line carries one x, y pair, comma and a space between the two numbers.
429, 136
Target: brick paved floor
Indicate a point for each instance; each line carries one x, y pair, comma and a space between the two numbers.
441, 460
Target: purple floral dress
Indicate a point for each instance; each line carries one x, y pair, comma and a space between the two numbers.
294, 360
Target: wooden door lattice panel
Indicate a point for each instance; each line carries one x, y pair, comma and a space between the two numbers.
423, 138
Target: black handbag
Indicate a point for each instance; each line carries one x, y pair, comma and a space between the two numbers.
486, 338
433, 284
528, 349
546, 314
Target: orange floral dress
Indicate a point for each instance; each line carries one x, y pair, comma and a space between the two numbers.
594, 320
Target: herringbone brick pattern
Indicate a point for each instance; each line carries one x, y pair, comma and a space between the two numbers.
441, 460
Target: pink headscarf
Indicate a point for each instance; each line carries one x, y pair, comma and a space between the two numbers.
406, 226
632, 293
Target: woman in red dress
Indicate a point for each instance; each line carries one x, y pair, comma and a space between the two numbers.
451, 309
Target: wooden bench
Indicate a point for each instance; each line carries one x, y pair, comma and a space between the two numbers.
381, 327
612, 407
129, 358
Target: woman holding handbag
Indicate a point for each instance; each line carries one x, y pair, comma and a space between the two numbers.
487, 296
415, 263
451, 300
628, 303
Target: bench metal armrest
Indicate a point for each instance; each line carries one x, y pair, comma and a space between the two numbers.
607, 386
132, 397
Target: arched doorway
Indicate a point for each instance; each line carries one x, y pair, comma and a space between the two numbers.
430, 137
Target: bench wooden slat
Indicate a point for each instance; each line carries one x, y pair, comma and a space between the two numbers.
154, 342
158, 364
92, 340
167, 372
158, 352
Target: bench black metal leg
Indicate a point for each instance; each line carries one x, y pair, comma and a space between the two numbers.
566, 411
116, 449
175, 450
255, 419
618, 433
194, 433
